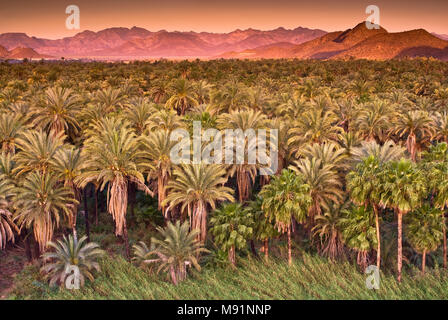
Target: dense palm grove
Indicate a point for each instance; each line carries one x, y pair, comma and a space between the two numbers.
362, 153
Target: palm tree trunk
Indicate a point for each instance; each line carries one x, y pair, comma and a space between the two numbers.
126, 241
444, 239
289, 246
423, 261
266, 249
400, 244
378, 237
96, 206
232, 256
86, 215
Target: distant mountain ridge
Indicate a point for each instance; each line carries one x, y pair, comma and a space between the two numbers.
302, 43
20, 53
141, 42
359, 43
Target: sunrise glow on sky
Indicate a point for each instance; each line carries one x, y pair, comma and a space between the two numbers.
46, 18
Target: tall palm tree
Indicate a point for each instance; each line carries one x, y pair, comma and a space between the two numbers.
7, 225
113, 159
58, 113
109, 99
323, 181
67, 165
137, 112
36, 149
245, 171
365, 189
417, 126
403, 189
156, 148
389, 151
424, 230
11, 127
42, 202
182, 96
287, 196
374, 121
195, 187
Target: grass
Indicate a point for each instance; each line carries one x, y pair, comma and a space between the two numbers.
310, 277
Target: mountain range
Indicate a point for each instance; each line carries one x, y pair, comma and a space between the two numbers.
358, 42
139, 42
303, 43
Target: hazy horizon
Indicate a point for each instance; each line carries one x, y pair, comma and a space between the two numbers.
46, 19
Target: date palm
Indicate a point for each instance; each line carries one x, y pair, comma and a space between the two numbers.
109, 99
389, 151
137, 112
403, 189
11, 127
195, 187
441, 123
323, 181
182, 96
287, 196
42, 203
246, 172
67, 166
156, 148
58, 112
417, 127
7, 225
176, 250
36, 150
113, 159
374, 121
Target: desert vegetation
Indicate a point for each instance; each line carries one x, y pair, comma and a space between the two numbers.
87, 178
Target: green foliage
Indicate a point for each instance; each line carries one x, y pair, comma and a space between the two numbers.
424, 228
175, 251
231, 226
71, 252
285, 197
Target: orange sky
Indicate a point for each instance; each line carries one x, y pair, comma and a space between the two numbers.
46, 18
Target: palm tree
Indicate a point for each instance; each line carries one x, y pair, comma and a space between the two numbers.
67, 165
403, 189
424, 230
263, 228
137, 112
323, 181
156, 150
365, 189
389, 151
177, 249
435, 165
36, 151
373, 121
113, 159
71, 252
164, 120
182, 96
417, 127
245, 171
329, 230
358, 232
287, 196
441, 121
11, 127
318, 126
231, 227
7, 225
59, 111
42, 202
109, 99
195, 187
